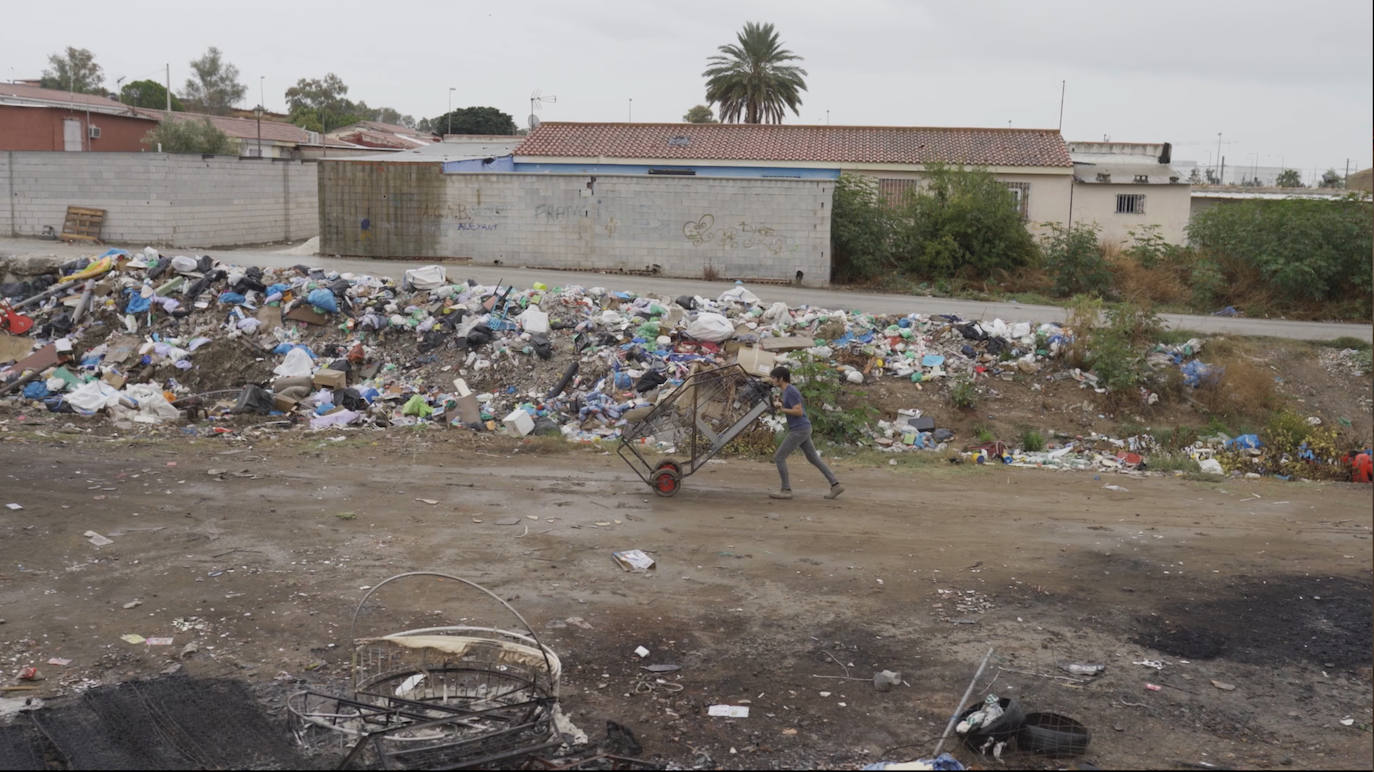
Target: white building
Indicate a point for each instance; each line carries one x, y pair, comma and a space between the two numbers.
1122, 187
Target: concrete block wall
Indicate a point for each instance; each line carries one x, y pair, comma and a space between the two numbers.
159, 198
676, 226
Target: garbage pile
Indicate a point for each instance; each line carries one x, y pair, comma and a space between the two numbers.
147, 338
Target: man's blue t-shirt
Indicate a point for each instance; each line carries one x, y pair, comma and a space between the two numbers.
791, 397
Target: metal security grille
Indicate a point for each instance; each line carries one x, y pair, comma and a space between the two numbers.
1130, 203
893, 189
1021, 190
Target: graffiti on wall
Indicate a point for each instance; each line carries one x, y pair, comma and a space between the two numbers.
742, 235
555, 213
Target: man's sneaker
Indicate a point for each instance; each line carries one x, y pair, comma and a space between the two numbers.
835, 490
783, 494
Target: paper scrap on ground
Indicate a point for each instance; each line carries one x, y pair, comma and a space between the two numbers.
633, 560
729, 711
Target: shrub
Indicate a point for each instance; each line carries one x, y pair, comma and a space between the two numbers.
860, 230
178, 135
960, 222
821, 386
1075, 261
1172, 461
1116, 350
1032, 441
1305, 250
963, 394
983, 433
1285, 431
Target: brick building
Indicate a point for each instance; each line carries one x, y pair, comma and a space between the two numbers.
33, 118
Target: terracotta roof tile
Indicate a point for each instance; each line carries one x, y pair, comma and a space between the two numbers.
827, 145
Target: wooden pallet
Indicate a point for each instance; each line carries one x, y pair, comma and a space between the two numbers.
83, 224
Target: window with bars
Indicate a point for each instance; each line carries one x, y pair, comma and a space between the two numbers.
893, 189
1130, 203
1021, 192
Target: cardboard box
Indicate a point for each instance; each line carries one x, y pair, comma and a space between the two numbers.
330, 379
304, 313
787, 343
113, 377
284, 403
756, 361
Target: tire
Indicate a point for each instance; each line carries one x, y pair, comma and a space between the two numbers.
667, 482
1050, 734
1005, 727
670, 464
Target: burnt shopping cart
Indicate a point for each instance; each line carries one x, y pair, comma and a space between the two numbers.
703, 415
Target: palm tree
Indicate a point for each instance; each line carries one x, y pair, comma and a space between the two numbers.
752, 81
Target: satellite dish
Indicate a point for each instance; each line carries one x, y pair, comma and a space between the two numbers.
534, 121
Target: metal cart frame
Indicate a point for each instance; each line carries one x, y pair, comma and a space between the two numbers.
700, 417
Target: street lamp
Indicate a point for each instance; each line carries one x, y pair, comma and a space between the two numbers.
451, 89
258, 112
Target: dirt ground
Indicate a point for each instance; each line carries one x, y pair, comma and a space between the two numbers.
258, 551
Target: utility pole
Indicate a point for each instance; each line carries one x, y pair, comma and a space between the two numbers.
1345, 181
169, 87
451, 89
630, 114
1063, 86
1219, 157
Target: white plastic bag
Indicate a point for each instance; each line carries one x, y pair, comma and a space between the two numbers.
425, 278
533, 320
184, 264
92, 396
738, 294
153, 407
296, 363
711, 327
775, 313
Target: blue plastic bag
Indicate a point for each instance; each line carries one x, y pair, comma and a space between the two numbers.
323, 300
231, 298
1244, 441
36, 390
137, 304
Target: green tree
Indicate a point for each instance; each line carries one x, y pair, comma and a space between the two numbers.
148, 93
75, 70
474, 120
752, 81
860, 230
699, 114
960, 222
1289, 178
383, 115
216, 87
320, 104
1330, 179
1194, 178
1304, 250
1213, 178
187, 135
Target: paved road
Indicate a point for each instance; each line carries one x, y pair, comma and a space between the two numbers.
877, 303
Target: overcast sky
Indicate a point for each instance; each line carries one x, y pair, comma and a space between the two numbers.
1284, 82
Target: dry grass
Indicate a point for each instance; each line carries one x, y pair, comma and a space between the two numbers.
1244, 390
1161, 285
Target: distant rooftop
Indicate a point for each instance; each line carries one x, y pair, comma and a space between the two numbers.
822, 145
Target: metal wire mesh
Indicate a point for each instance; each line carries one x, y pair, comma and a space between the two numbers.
699, 418
168, 723
455, 695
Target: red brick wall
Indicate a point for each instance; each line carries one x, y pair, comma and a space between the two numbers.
40, 128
